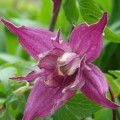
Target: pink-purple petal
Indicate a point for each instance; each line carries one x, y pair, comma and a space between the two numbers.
44, 100
87, 40
54, 80
60, 43
31, 76
96, 86
79, 81
34, 40
50, 60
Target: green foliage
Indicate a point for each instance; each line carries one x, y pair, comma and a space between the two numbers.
105, 5
9, 58
71, 10
113, 84
45, 12
116, 73
5, 74
103, 114
7, 116
77, 107
92, 13
115, 15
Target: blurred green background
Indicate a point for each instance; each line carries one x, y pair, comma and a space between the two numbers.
14, 61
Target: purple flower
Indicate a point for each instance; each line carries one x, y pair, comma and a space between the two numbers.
64, 67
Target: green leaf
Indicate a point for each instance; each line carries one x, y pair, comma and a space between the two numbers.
16, 108
111, 36
116, 73
7, 116
2, 39
77, 107
115, 11
9, 58
114, 85
11, 42
64, 114
108, 62
45, 13
71, 10
5, 74
2, 101
105, 4
27, 22
104, 114
92, 13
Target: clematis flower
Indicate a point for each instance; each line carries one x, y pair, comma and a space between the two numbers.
64, 67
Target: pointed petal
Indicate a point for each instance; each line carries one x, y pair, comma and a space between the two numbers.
96, 86
57, 37
50, 60
31, 76
73, 66
77, 82
44, 100
53, 79
87, 40
33, 40
60, 43
66, 58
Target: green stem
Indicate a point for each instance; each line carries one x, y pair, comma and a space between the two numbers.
22, 89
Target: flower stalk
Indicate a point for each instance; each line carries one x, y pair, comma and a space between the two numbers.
22, 89
113, 99
54, 18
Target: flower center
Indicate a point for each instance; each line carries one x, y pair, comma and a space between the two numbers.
68, 63
60, 66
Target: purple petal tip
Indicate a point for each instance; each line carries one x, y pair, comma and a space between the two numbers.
103, 21
11, 26
104, 17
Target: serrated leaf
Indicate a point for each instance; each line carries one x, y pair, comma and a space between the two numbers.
77, 107
92, 13
71, 10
